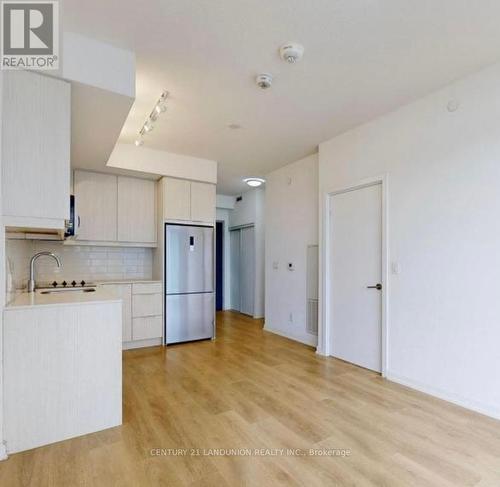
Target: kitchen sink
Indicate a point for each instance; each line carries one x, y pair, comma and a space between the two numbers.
68, 290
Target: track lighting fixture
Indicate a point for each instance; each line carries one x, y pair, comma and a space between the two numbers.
159, 108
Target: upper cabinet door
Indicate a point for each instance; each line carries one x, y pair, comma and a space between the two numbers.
95, 206
176, 199
136, 210
203, 202
35, 149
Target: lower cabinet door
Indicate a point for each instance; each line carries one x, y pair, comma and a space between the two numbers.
124, 291
146, 305
147, 327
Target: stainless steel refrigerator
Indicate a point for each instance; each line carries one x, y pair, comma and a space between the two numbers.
189, 283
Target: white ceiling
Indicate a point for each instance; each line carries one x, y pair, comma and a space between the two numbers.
362, 58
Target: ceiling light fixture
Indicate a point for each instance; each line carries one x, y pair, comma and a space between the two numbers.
159, 108
254, 182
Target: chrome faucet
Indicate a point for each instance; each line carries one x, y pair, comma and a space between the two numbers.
31, 282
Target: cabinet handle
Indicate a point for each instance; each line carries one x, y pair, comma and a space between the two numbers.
78, 221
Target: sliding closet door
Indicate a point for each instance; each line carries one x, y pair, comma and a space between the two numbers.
247, 270
235, 269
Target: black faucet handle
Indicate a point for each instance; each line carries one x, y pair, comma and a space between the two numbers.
54, 284
64, 283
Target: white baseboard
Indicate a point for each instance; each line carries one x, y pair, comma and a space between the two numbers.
152, 342
478, 407
321, 352
3, 451
312, 342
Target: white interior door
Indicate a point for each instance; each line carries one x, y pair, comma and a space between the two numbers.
247, 270
235, 269
356, 264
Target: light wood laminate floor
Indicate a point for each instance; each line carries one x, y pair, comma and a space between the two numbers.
251, 390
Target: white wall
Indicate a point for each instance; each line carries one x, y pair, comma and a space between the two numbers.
245, 210
444, 229
225, 201
291, 214
223, 215
260, 256
97, 64
3, 453
250, 211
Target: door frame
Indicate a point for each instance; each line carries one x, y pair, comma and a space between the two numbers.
223, 266
240, 228
324, 331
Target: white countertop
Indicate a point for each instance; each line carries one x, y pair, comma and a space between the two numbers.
33, 300
129, 281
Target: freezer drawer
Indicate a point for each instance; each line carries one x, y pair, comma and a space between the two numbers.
189, 259
189, 317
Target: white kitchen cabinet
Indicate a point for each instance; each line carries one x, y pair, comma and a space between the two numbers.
114, 210
148, 327
142, 312
203, 202
147, 288
95, 206
136, 210
146, 305
124, 291
176, 199
188, 200
35, 150
147, 312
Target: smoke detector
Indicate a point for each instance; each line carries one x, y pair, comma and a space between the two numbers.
264, 81
291, 52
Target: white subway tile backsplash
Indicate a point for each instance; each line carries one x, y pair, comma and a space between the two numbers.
78, 262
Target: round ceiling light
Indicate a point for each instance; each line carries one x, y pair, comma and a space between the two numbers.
254, 182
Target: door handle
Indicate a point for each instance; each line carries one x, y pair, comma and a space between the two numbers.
377, 286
